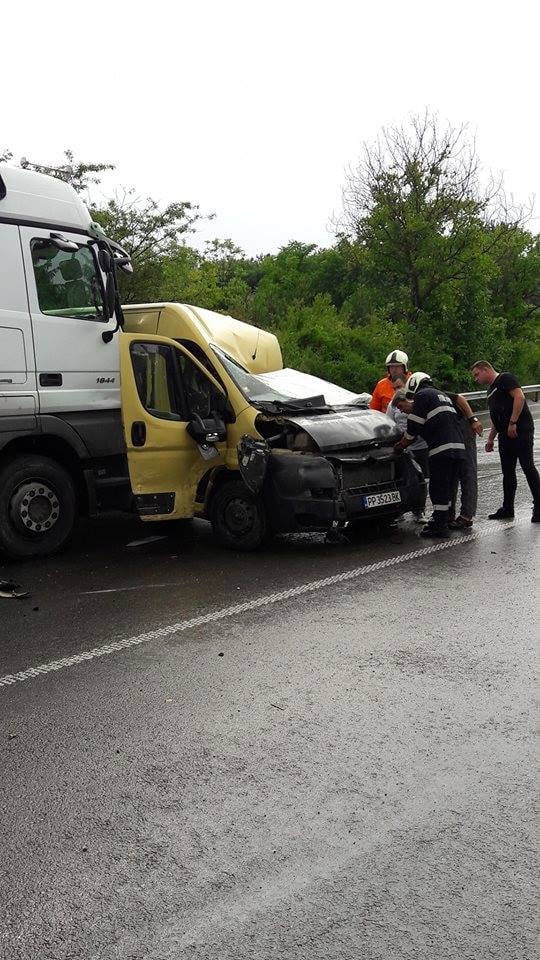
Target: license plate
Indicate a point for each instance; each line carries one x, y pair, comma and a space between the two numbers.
382, 499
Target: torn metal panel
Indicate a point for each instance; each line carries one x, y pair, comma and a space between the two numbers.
294, 383
253, 458
9, 590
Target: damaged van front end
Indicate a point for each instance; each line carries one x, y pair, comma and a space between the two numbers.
304, 461
329, 468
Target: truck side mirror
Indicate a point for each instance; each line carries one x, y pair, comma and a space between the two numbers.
104, 259
111, 294
68, 246
124, 264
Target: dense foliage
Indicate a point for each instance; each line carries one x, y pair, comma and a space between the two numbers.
425, 259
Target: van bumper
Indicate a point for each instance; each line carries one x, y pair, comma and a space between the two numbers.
306, 493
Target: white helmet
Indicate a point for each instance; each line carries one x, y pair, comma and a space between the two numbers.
397, 356
414, 382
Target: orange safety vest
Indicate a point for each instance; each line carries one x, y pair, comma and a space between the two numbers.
383, 393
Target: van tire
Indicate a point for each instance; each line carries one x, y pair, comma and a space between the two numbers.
38, 507
238, 517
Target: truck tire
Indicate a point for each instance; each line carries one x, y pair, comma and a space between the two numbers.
238, 517
37, 507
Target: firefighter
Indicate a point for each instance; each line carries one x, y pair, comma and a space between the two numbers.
432, 416
396, 367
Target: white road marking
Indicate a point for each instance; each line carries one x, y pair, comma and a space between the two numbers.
164, 633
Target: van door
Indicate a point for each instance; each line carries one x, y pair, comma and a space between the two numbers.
75, 369
163, 389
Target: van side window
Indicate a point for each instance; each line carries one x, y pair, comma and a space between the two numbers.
201, 356
154, 371
68, 284
202, 397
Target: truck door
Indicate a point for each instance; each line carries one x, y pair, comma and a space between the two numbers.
76, 370
163, 389
17, 370
18, 397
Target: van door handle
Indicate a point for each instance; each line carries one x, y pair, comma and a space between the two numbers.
138, 433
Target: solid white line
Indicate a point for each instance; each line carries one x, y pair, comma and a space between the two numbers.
164, 633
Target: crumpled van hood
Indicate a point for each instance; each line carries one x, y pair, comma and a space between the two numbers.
294, 383
348, 428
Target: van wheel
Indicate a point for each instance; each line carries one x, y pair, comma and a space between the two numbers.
238, 517
37, 507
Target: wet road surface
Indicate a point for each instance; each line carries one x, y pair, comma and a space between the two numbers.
323, 750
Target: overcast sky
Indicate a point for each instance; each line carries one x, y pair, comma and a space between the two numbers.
253, 108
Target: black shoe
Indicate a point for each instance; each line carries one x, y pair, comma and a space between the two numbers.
433, 532
460, 523
501, 514
535, 515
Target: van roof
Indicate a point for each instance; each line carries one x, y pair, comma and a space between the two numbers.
35, 198
256, 349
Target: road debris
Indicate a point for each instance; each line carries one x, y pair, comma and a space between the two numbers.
11, 591
139, 543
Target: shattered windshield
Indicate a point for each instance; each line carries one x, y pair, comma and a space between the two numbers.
255, 389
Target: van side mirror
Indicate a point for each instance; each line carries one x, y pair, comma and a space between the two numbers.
209, 431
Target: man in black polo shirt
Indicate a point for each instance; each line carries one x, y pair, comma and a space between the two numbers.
512, 421
431, 415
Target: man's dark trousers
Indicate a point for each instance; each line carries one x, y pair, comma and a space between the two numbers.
443, 472
510, 451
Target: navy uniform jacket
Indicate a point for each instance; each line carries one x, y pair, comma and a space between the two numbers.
434, 418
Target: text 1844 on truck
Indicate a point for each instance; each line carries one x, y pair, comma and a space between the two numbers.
169, 410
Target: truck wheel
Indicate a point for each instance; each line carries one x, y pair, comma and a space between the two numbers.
37, 507
238, 517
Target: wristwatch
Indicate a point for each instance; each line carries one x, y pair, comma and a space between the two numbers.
473, 420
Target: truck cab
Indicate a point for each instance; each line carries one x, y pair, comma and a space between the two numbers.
61, 438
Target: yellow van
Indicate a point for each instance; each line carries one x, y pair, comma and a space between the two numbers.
216, 428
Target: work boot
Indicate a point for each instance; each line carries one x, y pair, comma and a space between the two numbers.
460, 523
501, 514
434, 531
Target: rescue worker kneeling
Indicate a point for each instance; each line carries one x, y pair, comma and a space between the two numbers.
431, 415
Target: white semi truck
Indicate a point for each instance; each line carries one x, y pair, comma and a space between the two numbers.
61, 441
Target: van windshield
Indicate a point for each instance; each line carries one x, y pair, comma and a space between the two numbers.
289, 390
249, 383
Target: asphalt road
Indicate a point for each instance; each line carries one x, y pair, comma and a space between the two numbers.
321, 751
